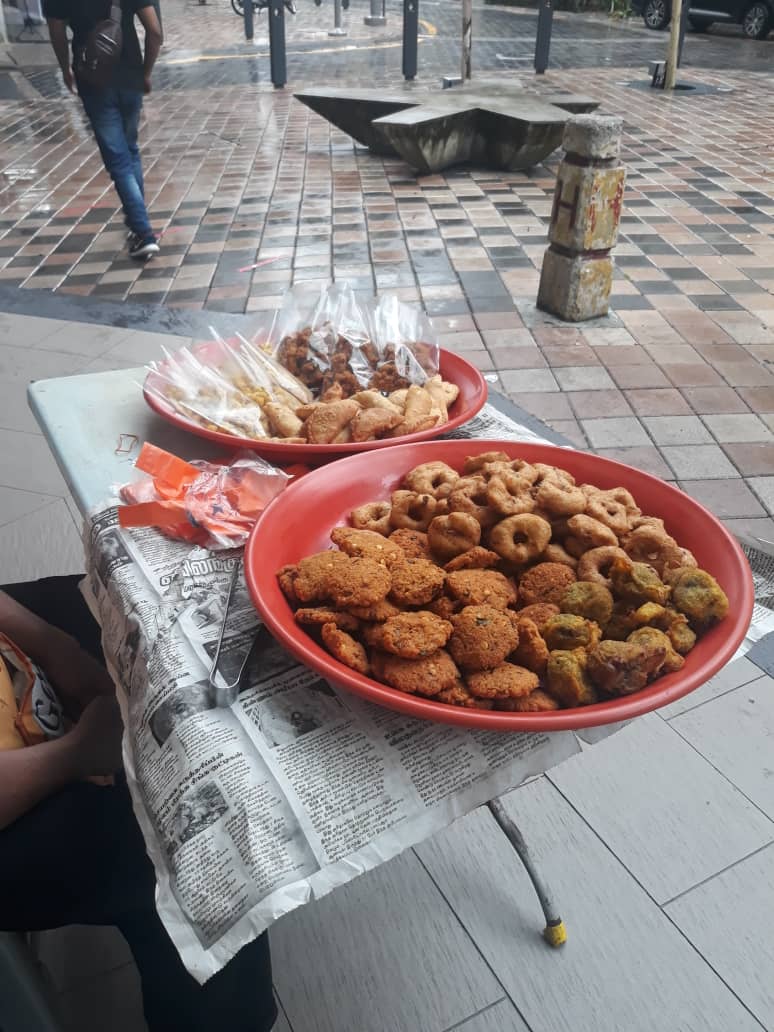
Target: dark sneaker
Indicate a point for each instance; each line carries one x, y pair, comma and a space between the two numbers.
143, 247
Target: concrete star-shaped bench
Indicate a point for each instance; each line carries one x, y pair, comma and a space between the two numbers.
487, 124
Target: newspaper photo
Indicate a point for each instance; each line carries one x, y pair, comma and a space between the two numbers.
258, 785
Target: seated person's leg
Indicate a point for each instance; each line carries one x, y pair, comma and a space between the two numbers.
58, 601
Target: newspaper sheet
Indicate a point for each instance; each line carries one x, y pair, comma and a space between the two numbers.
258, 793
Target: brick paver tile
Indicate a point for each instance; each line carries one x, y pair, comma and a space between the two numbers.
588, 404
760, 399
571, 430
544, 405
528, 380
623, 355
693, 375
570, 355
674, 430
658, 401
708, 400
738, 429
672, 354
697, 328
699, 461
634, 376
762, 527
608, 336
764, 489
644, 457
745, 374
752, 460
510, 338
726, 498
518, 358
616, 432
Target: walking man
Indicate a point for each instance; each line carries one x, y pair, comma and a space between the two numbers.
114, 110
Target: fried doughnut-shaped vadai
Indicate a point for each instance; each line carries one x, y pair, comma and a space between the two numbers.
426, 676
411, 510
373, 516
344, 648
414, 635
697, 594
357, 582
637, 583
567, 631
458, 695
604, 508
556, 553
653, 640
505, 681
473, 463
520, 539
483, 636
469, 495
433, 478
546, 582
477, 558
509, 494
560, 498
648, 544
481, 588
540, 613
589, 600
532, 651
452, 535
537, 701
595, 564
587, 533
415, 582
312, 580
316, 616
367, 544
567, 680
413, 542
621, 668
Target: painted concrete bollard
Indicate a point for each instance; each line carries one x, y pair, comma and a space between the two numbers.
577, 269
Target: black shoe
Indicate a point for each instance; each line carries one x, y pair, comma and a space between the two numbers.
143, 247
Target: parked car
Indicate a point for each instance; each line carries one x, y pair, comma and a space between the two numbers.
755, 16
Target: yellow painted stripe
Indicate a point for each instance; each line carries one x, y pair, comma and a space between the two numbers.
430, 29
265, 53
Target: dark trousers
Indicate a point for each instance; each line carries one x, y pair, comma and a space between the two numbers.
79, 858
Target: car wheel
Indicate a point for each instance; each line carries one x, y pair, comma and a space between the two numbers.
757, 21
656, 14
699, 24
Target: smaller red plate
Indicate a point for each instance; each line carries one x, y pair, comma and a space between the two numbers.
472, 396
299, 521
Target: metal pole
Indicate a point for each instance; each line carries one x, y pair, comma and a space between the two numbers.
277, 59
543, 37
683, 29
410, 32
377, 16
247, 11
337, 29
467, 39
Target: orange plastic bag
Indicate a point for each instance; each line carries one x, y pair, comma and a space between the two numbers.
202, 502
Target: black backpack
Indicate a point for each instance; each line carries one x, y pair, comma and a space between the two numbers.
98, 55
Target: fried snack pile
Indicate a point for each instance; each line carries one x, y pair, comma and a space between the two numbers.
507, 586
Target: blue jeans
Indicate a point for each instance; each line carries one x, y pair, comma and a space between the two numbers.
115, 115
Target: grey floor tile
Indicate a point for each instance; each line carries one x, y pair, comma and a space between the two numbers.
764, 488
528, 380
86, 339
111, 1001
283, 1025
738, 428
583, 378
735, 732
26, 363
395, 958
676, 430
675, 821
14, 410
503, 1017
15, 503
26, 330
725, 498
139, 347
79, 952
699, 461
43, 544
728, 921
733, 675
625, 967
618, 432
26, 462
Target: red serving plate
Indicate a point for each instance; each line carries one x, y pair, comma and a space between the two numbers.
299, 521
472, 396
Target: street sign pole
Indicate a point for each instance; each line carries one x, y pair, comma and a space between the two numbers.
377, 15
410, 33
248, 14
543, 37
337, 29
277, 59
467, 39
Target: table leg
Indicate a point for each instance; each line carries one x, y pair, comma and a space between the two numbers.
554, 932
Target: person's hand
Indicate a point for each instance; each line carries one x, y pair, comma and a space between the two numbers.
96, 738
69, 79
147, 85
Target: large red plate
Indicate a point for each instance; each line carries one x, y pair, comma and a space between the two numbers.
298, 522
473, 393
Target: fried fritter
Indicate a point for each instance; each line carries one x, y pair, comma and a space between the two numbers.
536, 702
567, 679
532, 651
313, 574
344, 647
458, 695
540, 613
670, 621
481, 588
427, 676
622, 622
655, 641
366, 544
483, 636
505, 681
546, 582
320, 615
589, 600
477, 558
621, 668
413, 635
567, 632
637, 583
413, 542
357, 582
378, 612
415, 582
697, 594
287, 580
